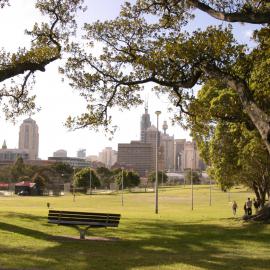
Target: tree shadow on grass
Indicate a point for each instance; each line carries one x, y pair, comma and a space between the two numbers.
24, 216
149, 244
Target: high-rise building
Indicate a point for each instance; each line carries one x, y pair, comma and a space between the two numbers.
108, 156
179, 146
136, 155
81, 153
151, 138
145, 124
29, 138
167, 144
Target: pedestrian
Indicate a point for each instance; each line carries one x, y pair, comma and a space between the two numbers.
256, 206
245, 209
249, 207
234, 207
48, 204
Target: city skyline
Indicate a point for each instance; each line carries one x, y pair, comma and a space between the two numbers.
111, 143
58, 100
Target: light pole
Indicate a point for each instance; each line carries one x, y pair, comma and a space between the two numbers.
156, 182
210, 199
90, 181
73, 184
122, 183
191, 179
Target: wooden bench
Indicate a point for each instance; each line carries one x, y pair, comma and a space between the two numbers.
82, 221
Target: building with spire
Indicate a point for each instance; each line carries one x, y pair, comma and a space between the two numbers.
11, 154
29, 138
145, 123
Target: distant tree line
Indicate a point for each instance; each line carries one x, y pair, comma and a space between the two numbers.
60, 173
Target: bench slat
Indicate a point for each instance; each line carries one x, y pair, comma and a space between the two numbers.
93, 224
83, 213
83, 218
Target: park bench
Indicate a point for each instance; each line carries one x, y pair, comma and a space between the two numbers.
82, 221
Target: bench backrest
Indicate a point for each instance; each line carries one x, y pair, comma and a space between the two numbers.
84, 218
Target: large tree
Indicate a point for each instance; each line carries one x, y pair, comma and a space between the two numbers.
48, 40
228, 141
129, 179
83, 177
138, 49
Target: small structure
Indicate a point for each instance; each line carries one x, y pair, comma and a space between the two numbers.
25, 188
4, 186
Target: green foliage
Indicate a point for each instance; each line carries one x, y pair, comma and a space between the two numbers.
64, 170
162, 177
137, 51
105, 176
18, 168
228, 141
194, 176
129, 178
49, 39
82, 179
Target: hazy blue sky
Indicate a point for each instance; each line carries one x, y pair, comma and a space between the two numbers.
57, 100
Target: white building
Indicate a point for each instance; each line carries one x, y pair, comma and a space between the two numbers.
60, 153
108, 156
81, 153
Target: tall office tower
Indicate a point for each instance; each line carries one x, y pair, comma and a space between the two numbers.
167, 143
179, 157
108, 156
29, 138
145, 123
191, 156
136, 155
151, 138
81, 153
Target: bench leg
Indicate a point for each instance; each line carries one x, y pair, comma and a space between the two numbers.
82, 233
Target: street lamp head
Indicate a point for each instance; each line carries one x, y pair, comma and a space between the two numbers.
157, 113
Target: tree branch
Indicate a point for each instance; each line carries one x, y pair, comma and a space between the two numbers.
258, 17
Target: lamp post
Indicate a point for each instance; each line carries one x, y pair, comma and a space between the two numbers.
191, 179
210, 199
90, 181
73, 184
122, 184
156, 182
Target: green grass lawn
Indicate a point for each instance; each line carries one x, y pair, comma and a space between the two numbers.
177, 238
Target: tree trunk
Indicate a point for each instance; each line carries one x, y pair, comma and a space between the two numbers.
259, 118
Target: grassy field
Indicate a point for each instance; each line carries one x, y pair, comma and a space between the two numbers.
177, 238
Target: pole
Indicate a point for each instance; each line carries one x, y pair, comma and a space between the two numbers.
156, 182
191, 179
74, 184
90, 181
210, 193
122, 182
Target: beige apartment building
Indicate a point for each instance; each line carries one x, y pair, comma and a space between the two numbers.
29, 138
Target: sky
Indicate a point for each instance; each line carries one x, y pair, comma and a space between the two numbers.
58, 100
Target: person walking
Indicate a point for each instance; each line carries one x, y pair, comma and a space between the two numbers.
234, 208
256, 206
249, 207
245, 208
